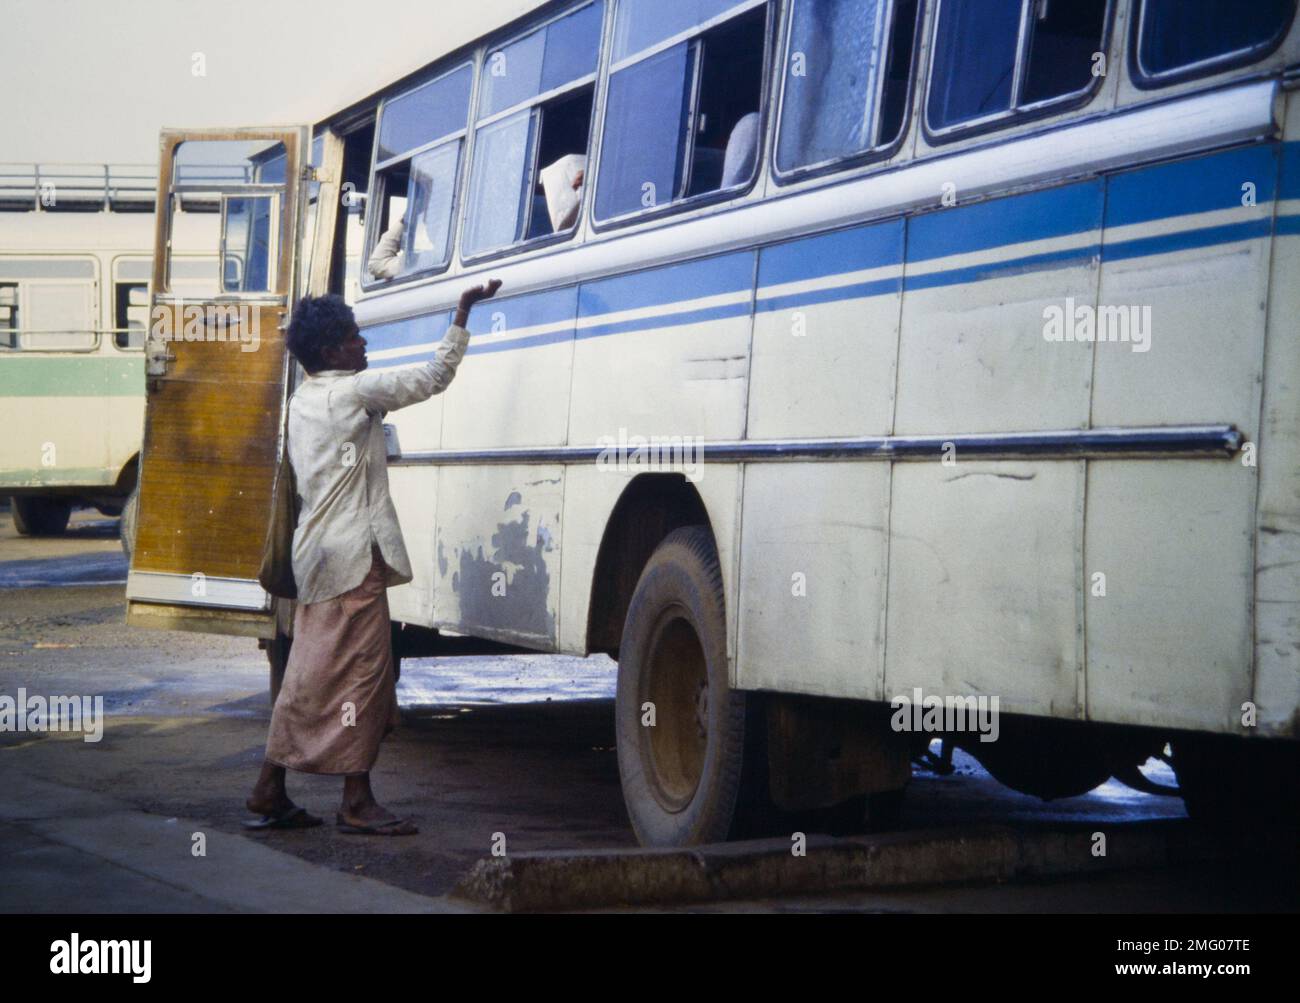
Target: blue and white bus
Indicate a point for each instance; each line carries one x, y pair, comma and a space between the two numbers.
928, 353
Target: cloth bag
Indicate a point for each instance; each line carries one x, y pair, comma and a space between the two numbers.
276, 574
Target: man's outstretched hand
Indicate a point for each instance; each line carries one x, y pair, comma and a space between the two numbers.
473, 295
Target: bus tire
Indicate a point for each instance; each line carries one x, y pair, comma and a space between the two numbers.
130, 518
41, 516
1237, 785
691, 765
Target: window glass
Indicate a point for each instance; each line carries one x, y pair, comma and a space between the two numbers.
432, 189
501, 155
684, 121
438, 108
644, 134
529, 169
640, 25
831, 70
1063, 39
975, 49
246, 244
224, 161
8, 315
1181, 33
130, 314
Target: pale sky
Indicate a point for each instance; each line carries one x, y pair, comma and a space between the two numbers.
92, 81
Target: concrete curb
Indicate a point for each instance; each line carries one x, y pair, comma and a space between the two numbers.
566, 880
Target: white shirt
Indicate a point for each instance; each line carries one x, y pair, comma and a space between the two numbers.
336, 448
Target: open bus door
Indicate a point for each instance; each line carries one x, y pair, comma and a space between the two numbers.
218, 376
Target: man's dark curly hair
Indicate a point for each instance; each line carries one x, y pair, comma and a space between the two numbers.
317, 322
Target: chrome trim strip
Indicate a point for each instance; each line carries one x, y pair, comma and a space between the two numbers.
228, 593
1151, 442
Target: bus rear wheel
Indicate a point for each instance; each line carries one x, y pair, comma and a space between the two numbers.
41, 516
690, 751
130, 518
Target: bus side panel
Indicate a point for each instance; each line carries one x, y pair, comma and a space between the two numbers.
814, 547
414, 491
1277, 554
984, 563
497, 550
1169, 644
814, 552
993, 610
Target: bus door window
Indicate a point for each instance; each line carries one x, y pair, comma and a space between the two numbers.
681, 119
8, 315
534, 123
130, 313
992, 60
417, 158
846, 78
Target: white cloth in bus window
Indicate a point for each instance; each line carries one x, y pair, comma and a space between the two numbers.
742, 151
562, 182
386, 261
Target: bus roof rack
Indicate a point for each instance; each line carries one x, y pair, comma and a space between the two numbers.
77, 187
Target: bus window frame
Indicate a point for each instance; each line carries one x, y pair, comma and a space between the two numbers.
23, 305
375, 195
533, 105
1204, 68
874, 154
1017, 113
115, 279
718, 195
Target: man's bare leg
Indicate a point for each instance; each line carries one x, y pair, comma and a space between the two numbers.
269, 796
360, 808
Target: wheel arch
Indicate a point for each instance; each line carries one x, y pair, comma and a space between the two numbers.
650, 507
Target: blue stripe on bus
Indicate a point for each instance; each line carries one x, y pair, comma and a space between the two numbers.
1229, 233
1290, 185
1057, 212
728, 273
1050, 260
855, 250
858, 290
1203, 184
505, 315
668, 320
1288, 225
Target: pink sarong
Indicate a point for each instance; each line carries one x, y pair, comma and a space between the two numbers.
339, 697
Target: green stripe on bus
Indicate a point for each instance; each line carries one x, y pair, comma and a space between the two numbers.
56, 477
71, 376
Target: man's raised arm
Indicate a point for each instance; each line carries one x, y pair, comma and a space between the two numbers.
390, 390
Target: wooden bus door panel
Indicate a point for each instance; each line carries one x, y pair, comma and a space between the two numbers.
216, 380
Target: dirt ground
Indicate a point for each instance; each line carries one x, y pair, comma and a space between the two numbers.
520, 746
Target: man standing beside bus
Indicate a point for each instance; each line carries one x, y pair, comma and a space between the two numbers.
339, 697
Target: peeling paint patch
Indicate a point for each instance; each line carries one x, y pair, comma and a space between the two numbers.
514, 498
508, 587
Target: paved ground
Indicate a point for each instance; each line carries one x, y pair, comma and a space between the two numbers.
519, 746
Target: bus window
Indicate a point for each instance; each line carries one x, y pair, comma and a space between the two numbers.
682, 120
1182, 38
246, 242
417, 162
8, 315
994, 59
531, 141
847, 74
130, 313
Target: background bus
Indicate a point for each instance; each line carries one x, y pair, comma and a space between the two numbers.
76, 243
981, 320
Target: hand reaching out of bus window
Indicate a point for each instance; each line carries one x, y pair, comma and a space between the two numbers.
473, 295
